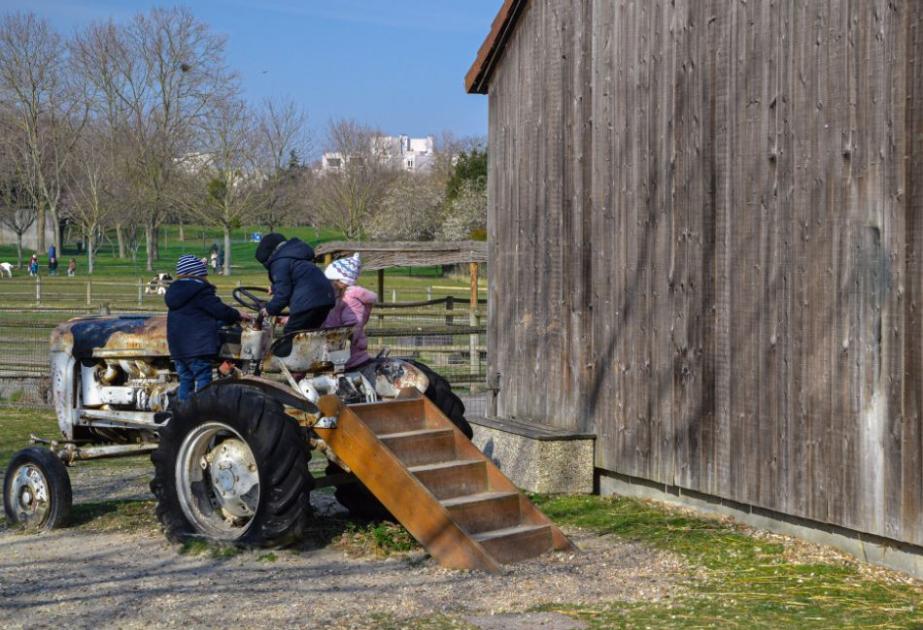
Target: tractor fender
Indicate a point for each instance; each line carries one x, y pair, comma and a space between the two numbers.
271, 389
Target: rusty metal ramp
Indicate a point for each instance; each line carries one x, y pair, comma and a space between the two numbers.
448, 495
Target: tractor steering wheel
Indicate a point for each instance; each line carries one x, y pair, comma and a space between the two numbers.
246, 298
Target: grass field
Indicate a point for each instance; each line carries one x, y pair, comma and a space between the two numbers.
199, 241
116, 281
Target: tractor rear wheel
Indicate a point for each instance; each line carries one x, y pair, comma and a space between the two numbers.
232, 466
36, 490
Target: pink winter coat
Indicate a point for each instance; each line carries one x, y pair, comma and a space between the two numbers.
353, 309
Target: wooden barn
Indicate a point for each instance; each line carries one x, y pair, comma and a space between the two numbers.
706, 229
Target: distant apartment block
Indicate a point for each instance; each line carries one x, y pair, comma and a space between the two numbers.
409, 154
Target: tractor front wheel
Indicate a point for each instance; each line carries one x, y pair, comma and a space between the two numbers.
36, 490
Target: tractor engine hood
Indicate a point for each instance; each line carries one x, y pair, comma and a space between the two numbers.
112, 336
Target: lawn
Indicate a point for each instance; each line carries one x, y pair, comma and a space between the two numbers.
116, 280
737, 578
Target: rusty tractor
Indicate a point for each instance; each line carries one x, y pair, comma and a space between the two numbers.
231, 463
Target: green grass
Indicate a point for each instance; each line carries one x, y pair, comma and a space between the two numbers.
115, 280
17, 423
197, 547
377, 538
199, 240
747, 582
119, 515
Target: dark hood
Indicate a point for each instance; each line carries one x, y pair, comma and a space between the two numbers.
182, 291
292, 248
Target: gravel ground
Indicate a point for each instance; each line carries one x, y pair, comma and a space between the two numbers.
79, 578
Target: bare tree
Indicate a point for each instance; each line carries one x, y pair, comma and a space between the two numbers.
45, 112
92, 199
283, 140
16, 211
163, 72
17, 219
350, 196
225, 186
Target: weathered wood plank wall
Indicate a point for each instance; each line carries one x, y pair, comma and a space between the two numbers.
706, 243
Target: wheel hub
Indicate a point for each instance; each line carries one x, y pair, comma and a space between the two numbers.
30, 490
233, 474
218, 483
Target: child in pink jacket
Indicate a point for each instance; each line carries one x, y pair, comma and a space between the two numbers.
353, 305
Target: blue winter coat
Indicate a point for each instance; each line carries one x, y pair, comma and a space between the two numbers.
196, 313
296, 281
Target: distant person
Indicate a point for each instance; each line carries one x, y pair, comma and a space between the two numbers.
353, 306
297, 283
194, 317
52, 266
52, 252
33, 265
213, 261
72, 267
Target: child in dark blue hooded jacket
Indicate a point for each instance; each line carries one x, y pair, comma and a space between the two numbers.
297, 283
196, 313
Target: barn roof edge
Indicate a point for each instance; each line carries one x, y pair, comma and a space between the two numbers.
478, 75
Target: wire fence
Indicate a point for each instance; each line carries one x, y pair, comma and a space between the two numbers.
443, 331
74, 293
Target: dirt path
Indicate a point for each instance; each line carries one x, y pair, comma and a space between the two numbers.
80, 578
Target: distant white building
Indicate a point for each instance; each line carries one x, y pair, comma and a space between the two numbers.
409, 154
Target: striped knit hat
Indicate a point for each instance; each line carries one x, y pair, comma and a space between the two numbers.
346, 270
189, 265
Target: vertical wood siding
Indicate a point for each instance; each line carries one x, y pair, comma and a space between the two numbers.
706, 224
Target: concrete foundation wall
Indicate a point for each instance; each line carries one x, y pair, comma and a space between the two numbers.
538, 463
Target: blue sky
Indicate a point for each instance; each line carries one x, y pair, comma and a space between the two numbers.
395, 64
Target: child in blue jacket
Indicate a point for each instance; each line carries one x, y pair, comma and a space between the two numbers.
196, 313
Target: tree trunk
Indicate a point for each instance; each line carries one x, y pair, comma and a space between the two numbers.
56, 231
121, 239
155, 243
91, 251
19, 250
227, 250
40, 228
182, 231
149, 246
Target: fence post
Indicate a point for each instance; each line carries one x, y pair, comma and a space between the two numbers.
429, 294
89, 292
449, 306
473, 357
140, 292
393, 296
38, 289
